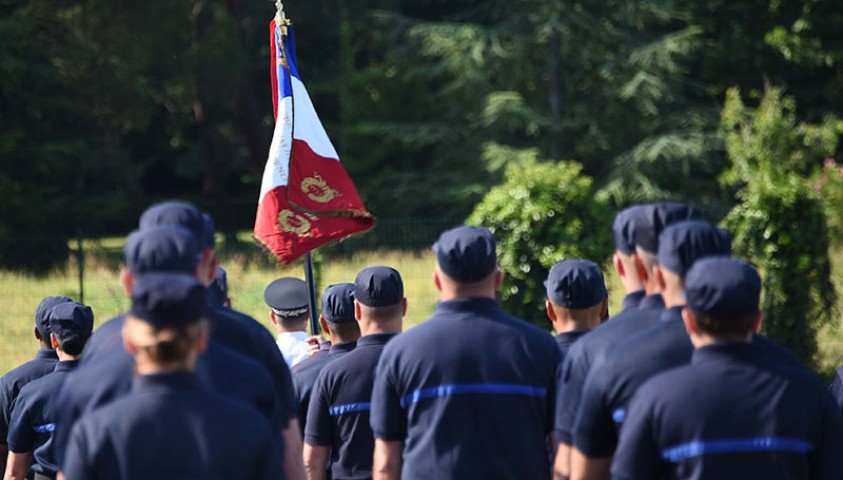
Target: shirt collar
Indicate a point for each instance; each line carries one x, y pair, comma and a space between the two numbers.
651, 302
66, 365
47, 353
342, 347
632, 300
165, 381
324, 346
473, 304
375, 339
300, 336
570, 337
672, 314
742, 351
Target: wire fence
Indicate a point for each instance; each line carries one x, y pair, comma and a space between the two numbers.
91, 275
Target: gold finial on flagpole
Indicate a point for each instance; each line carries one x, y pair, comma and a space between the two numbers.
280, 18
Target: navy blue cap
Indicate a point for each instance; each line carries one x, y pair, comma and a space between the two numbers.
175, 213
656, 217
168, 299
338, 303
683, 243
378, 287
42, 323
218, 289
71, 318
626, 222
466, 254
287, 294
722, 287
575, 284
161, 249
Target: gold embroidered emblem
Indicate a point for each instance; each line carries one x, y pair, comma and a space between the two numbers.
318, 190
290, 221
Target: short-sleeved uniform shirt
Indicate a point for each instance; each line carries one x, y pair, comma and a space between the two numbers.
588, 349
34, 417
566, 340
339, 409
470, 392
11, 383
733, 413
632, 300
615, 379
324, 348
305, 378
171, 427
109, 377
229, 327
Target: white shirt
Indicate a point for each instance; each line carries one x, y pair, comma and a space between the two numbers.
292, 347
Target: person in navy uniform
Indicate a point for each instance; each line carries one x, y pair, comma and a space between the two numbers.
337, 318
643, 225
107, 377
623, 231
33, 416
218, 289
44, 362
287, 299
170, 426
577, 300
469, 393
338, 432
734, 412
616, 377
232, 329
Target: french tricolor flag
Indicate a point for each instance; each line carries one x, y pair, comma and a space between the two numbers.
307, 199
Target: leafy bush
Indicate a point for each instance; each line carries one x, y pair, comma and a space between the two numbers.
541, 214
780, 224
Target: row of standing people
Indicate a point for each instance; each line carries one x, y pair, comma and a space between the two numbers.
470, 393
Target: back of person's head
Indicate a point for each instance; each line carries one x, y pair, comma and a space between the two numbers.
626, 222
654, 218
166, 315
176, 213
160, 250
723, 296
684, 243
575, 284
42, 322
338, 311
381, 290
288, 299
467, 257
72, 324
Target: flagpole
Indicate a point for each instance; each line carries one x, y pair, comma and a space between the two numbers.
311, 292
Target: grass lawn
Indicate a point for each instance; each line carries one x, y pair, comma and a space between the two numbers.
249, 271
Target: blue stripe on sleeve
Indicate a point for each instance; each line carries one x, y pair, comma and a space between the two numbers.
49, 427
735, 445
349, 408
473, 388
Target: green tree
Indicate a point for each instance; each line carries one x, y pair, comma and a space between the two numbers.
542, 213
779, 223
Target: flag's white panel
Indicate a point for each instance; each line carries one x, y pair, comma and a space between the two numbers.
275, 172
308, 126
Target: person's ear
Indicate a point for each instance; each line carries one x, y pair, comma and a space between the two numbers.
659, 273
54, 341
690, 323
404, 307
437, 281
498, 278
759, 319
551, 314
37, 334
640, 269
604, 309
358, 312
616, 260
273, 317
324, 324
127, 279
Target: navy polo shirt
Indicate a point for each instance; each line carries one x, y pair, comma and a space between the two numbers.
171, 427
305, 378
588, 349
470, 392
34, 417
566, 340
631, 300
220, 369
233, 329
732, 413
324, 348
615, 378
11, 383
338, 415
